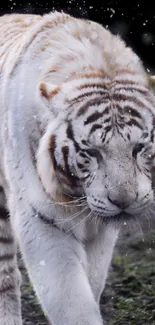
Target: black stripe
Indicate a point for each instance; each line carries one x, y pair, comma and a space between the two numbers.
94, 102
121, 117
83, 109
95, 85
43, 218
65, 152
152, 135
83, 154
126, 82
132, 89
135, 123
51, 148
8, 287
120, 125
145, 135
96, 115
70, 177
52, 223
132, 99
91, 152
93, 117
6, 257
69, 180
6, 240
84, 178
80, 166
106, 130
65, 172
70, 135
87, 95
107, 120
132, 111
47, 221
4, 214
86, 161
95, 154
85, 170
94, 128
85, 143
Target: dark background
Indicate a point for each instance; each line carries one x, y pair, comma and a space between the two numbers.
133, 20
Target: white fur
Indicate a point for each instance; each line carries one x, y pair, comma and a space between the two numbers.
68, 270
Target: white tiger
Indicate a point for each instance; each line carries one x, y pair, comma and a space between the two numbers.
77, 149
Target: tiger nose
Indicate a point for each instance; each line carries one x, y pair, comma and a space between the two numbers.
119, 203
123, 200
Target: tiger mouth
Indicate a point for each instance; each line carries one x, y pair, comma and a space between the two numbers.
120, 217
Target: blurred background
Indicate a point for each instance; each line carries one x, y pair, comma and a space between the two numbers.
129, 296
134, 20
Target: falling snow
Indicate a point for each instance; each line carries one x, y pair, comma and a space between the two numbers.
42, 263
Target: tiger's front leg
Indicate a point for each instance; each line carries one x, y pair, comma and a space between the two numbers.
57, 267
10, 310
99, 254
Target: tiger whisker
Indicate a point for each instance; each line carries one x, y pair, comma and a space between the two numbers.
67, 204
72, 196
64, 204
61, 221
89, 214
84, 219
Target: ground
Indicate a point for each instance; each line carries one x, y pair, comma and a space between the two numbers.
129, 296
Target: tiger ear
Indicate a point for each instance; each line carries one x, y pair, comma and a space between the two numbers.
48, 90
152, 82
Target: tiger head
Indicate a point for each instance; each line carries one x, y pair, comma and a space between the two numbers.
101, 145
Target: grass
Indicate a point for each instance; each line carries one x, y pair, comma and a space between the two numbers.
129, 296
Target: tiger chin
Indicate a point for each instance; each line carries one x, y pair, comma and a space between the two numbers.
77, 158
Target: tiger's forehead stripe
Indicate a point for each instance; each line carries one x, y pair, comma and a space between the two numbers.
116, 100
92, 84
84, 108
93, 117
131, 85
130, 110
95, 88
89, 94
87, 86
94, 128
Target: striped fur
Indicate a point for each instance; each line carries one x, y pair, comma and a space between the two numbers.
77, 155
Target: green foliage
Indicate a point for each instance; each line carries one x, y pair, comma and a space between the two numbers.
131, 283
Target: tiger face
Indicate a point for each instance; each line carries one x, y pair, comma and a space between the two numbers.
102, 147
